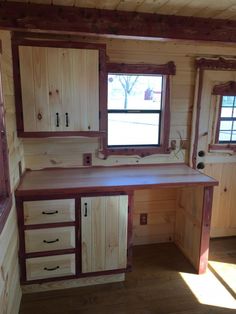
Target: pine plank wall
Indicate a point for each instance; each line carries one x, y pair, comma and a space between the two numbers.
67, 152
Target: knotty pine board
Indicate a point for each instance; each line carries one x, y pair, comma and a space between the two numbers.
160, 206
40, 153
10, 291
223, 221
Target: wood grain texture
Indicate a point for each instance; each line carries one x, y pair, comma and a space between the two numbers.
104, 233
109, 179
58, 97
160, 207
40, 240
223, 208
50, 266
113, 23
189, 223
49, 211
156, 285
10, 291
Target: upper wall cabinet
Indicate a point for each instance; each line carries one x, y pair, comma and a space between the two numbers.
58, 87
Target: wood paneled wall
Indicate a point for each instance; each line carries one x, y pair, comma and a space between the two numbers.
43, 153
160, 207
10, 291
223, 221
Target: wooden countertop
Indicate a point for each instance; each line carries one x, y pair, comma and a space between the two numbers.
109, 179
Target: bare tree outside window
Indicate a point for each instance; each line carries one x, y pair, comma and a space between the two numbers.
127, 82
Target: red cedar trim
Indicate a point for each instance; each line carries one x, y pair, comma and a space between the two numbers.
218, 122
223, 147
71, 19
64, 43
216, 64
205, 229
142, 151
5, 189
168, 68
207, 64
226, 89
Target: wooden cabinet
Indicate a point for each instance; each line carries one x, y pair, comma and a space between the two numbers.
68, 238
58, 87
104, 233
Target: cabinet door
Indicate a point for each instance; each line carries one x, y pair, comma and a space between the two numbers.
104, 233
60, 89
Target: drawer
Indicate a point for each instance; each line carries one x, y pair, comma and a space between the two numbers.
51, 211
50, 266
40, 240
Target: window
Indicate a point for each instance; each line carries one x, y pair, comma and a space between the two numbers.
226, 122
226, 132
5, 195
137, 112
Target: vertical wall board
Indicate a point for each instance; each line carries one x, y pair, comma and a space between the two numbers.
10, 291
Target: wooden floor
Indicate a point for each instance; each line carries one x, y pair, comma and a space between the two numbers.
162, 282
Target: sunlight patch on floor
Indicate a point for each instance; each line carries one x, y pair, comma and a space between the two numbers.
227, 272
209, 290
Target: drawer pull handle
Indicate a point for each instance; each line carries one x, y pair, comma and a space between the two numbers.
48, 242
50, 213
51, 269
85, 209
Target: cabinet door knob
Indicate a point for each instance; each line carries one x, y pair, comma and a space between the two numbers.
57, 120
39, 116
67, 119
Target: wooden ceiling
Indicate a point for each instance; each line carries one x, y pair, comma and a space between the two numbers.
220, 9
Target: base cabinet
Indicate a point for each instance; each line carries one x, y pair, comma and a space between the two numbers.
104, 233
72, 238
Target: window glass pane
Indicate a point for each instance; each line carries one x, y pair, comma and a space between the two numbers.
234, 125
133, 129
234, 135
228, 101
225, 125
224, 136
234, 114
226, 112
130, 91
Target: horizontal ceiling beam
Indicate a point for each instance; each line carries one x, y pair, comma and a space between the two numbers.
68, 19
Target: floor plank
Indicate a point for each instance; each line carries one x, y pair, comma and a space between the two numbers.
156, 285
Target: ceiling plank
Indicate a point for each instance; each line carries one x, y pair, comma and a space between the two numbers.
65, 19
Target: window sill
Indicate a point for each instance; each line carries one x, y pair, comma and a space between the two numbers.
5, 207
141, 151
222, 147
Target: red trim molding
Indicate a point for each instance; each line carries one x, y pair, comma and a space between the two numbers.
71, 19
168, 68
17, 41
222, 147
216, 64
5, 189
226, 89
142, 151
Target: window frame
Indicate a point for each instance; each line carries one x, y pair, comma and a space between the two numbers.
164, 70
5, 190
225, 89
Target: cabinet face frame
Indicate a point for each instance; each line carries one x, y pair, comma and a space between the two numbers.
77, 251
18, 41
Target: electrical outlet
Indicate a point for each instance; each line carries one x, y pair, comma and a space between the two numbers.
87, 159
143, 219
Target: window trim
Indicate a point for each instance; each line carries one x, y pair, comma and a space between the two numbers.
225, 89
6, 198
141, 150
